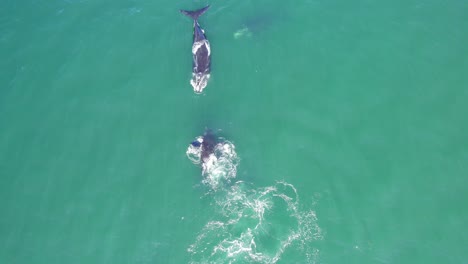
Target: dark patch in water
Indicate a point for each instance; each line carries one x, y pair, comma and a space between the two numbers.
259, 23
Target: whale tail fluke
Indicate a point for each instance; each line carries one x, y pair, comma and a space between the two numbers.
195, 14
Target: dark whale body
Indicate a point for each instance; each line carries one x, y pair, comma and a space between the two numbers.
208, 143
201, 52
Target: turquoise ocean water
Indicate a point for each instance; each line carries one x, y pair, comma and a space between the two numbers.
346, 122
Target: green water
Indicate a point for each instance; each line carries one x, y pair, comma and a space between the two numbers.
360, 105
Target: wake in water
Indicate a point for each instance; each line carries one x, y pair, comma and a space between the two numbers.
251, 225
217, 158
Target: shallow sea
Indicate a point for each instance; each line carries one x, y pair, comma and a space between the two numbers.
345, 120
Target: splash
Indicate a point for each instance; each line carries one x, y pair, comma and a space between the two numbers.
199, 82
251, 224
257, 225
220, 167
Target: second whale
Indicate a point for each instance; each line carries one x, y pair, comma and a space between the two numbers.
201, 52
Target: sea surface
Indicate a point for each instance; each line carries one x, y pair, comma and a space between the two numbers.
343, 132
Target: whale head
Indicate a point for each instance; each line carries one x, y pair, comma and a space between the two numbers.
199, 81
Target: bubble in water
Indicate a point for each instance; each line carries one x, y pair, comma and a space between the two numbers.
220, 166
256, 225
250, 225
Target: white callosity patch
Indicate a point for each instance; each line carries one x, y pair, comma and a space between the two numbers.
197, 45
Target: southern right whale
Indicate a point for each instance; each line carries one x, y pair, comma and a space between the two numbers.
207, 143
201, 52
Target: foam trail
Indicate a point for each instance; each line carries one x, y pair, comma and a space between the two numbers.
251, 224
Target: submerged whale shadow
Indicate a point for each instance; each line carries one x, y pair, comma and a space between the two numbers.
258, 23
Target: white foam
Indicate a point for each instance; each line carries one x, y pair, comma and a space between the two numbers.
199, 81
194, 153
220, 167
247, 217
250, 224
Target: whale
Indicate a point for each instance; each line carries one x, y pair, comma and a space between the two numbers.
216, 156
208, 143
201, 52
